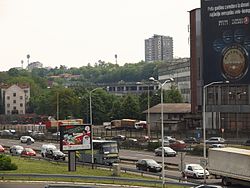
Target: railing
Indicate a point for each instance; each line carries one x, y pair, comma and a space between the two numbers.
102, 178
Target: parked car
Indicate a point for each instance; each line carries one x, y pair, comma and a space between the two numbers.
194, 170
2, 148
27, 139
55, 154
191, 140
56, 136
215, 140
16, 150
28, 152
246, 143
148, 165
168, 152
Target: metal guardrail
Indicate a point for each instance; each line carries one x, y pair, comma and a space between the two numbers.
103, 178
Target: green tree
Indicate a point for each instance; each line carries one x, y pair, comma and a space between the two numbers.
130, 107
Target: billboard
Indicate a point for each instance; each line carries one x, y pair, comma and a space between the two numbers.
75, 137
226, 40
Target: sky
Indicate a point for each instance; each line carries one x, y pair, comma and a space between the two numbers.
77, 32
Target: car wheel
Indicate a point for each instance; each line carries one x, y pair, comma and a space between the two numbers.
225, 181
195, 176
43, 155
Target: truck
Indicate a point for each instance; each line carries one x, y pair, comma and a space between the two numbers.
121, 124
231, 164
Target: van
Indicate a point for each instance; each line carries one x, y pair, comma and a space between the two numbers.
47, 147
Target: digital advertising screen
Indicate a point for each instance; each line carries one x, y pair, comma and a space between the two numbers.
75, 137
226, 40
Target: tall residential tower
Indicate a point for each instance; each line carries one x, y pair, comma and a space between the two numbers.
159, 48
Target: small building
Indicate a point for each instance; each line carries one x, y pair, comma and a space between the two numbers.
174, 117
15, 98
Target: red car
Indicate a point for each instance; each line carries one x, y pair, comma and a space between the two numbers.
1, 148
28, 152
177, 144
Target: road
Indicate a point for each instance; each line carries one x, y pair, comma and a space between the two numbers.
129, 154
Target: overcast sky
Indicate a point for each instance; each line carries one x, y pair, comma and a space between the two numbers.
77, 32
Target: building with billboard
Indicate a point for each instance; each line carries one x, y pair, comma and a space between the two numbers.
219, 35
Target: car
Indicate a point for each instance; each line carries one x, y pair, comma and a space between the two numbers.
207, 186
168, 152
194, 170
217, 146
38, 135
45, 147
2, 149
246, 143
148, 165
55, 154
215, 140
28, 152
56, 136
177, 144
119, 138
27, 139
16, 150
191, 140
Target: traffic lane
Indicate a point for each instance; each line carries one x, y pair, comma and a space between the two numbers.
130, 154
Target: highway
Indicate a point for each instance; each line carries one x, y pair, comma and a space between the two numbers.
128, 154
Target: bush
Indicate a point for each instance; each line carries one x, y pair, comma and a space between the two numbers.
153, 145
198, 150
5, 163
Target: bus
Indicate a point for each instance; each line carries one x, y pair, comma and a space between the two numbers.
104, 152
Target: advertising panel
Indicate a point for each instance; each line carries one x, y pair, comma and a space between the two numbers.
75, 137
226, 40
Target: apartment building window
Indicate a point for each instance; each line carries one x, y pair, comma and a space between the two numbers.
14, 107
14, 101
8, 112
8, 105
21, 97
8, 97
21, 112
21, 104
14, 94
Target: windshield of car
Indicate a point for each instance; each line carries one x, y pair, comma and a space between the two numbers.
57, 152
152, 162
197, 167
19, 147
29, 150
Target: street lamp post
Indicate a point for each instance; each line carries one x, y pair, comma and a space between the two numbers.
91, 123
148, 122
204, 121
162, 124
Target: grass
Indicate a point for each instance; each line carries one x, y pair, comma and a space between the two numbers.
31, 166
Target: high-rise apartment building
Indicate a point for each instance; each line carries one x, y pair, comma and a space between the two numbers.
159, 48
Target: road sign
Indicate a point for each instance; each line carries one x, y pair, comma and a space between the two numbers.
203, 162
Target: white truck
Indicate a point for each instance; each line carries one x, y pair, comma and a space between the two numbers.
231, 164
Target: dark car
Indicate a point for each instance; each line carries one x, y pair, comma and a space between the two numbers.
148, 165
246, 143
55, 154
191, 140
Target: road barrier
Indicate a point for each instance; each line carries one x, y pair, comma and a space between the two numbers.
102, 178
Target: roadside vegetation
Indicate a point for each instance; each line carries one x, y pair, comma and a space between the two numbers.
31, 166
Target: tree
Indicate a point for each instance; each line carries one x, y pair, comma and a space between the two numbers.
130, 107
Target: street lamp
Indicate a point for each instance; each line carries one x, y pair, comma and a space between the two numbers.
148, 122
91, 122
204, 121
162, 125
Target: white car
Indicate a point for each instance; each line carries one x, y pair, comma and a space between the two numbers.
16, 150
26, 139
168, 152
46, 147
194, 170
215, 140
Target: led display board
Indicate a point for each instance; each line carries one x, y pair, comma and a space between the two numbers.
225, 40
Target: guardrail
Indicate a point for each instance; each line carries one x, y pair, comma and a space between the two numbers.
103, 178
